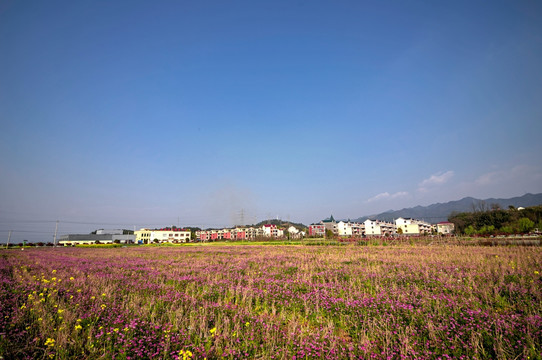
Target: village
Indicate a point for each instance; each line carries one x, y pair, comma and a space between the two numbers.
328, 227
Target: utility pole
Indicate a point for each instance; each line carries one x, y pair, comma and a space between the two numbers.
54, 238
9, 237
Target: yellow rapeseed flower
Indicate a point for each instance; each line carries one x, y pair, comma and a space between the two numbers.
186, 354
213, 330
71, 278
78, 327
50, 342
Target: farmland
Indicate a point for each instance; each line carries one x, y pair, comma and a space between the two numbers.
272, 302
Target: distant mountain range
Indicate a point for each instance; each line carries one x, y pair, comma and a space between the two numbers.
439, 212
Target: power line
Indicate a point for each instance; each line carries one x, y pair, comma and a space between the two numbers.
28, 221
27, 231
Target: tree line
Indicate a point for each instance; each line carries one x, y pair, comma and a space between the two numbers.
496, 221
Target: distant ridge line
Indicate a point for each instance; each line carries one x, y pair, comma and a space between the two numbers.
438, 212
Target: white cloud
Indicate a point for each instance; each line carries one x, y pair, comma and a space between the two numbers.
387, 195
436, 179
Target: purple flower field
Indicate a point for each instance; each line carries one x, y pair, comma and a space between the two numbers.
272, 302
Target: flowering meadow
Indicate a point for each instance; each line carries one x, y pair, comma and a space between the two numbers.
272, 302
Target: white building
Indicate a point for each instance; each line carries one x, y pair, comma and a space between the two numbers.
344, 228
295, 233
410, 226
271, 230
348, 228
445, 228
169, 235
378, 228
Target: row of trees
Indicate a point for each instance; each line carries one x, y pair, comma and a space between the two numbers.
498, 221
29, 244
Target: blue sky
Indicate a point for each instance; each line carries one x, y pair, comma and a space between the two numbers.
140, 113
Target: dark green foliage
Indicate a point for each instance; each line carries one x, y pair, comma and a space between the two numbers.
497, 221
283, 224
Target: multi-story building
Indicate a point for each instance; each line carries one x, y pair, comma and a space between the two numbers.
251, 232
143, 236
410, 226
425, 228
387, 228
213, 234
270, 230
239, 233
358, 229
344, 228
330, 224
445, 228
171, 235
317, 230
378, 228
371, 227
348, 228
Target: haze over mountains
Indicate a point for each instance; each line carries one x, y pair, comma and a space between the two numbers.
439, 212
